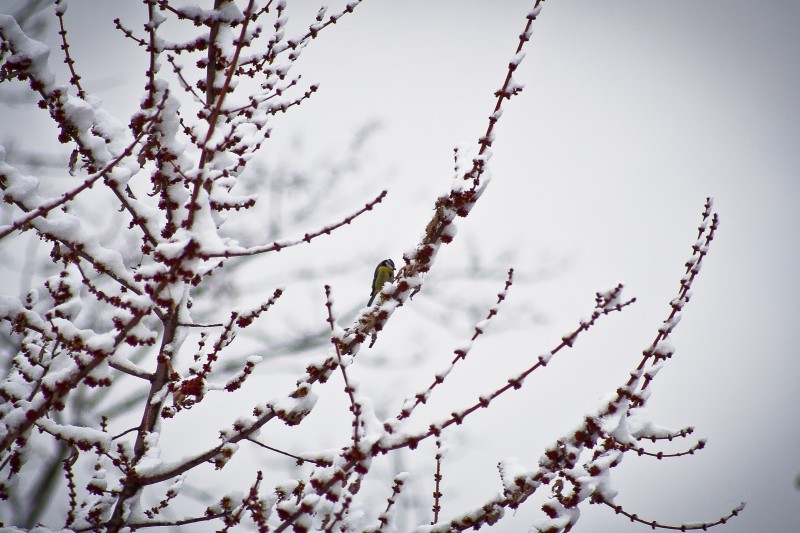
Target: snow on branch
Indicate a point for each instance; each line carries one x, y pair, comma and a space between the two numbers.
9, 177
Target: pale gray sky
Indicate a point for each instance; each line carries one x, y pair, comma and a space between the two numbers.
633, 112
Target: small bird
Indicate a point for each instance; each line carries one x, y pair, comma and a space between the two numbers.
383, 272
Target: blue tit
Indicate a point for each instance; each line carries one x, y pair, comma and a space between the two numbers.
383, 272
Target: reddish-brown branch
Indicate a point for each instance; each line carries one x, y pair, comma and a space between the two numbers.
163, 523
308, 237
461, 354
437, 478
383, 518
680, 527
699, 251
486, 141
75, 80
699, 445
355, 406
300, 460
457, 417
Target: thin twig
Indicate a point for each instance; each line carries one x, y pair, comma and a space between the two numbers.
300, 460
278, 246
437, 478
680, 527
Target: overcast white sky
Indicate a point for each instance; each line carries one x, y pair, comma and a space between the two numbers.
633, 113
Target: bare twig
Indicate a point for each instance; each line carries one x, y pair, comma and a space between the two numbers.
679, 527
280, 245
